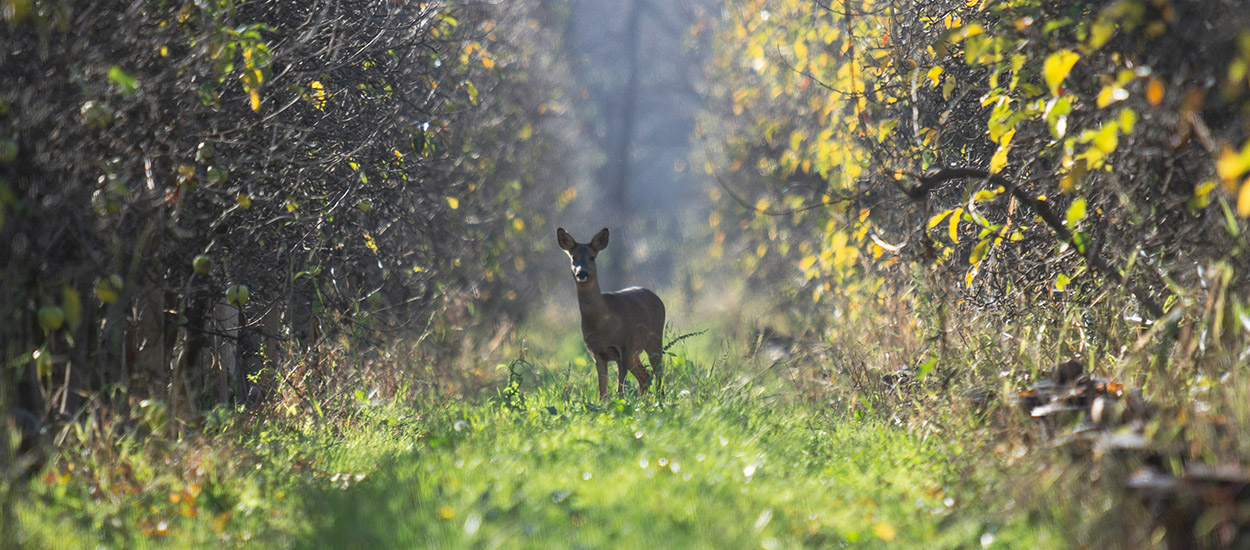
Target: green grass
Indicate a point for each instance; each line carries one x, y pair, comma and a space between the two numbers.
724, 461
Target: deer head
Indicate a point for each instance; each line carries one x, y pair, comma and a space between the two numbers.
583, 255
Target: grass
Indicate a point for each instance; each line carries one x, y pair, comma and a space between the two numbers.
728, 459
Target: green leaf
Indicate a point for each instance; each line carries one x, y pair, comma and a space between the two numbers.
125, 83
1081, 240
71, 304
1056, 68
1230, 223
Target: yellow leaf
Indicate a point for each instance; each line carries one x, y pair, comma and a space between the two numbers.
1243, 199
755, 51
807, 262
453, 202
1107, 138
937, 218
1076, 213
953, 229
985, 195
935, 75
488, 62
254, 96
1073, 178
999, 160
1202, 194
1111, 93
1128, 119
1100, 33
885, 531
1056, 68
1231, 164
1061, 282
319, 95
979, 251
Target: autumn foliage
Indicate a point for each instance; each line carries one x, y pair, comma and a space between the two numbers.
1025, 151
205, 203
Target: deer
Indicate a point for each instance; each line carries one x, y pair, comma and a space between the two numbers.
617, 326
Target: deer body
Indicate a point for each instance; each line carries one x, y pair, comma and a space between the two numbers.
617, 326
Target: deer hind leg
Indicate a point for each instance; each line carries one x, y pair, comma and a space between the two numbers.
622, 366
655, 355
640, 372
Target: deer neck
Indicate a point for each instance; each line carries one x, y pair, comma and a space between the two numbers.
590, 301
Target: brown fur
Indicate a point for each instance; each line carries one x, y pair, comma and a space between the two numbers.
617, 326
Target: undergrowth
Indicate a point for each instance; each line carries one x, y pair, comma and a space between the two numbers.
730, 456
851, 439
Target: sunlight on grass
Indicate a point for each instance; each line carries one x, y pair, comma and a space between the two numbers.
719, 471
725, 460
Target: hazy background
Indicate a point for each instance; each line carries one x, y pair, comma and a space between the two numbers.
638, 73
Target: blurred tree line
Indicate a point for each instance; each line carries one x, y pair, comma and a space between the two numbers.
999, 156
204, 202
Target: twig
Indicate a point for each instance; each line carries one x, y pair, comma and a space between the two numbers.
931, 180
674, 341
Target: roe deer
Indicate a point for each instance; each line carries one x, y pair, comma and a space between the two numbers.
617, 326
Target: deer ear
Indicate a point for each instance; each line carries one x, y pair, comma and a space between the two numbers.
600, 241
566, 241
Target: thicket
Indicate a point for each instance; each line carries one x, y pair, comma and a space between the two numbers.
224, 202
952, 198
1011, 157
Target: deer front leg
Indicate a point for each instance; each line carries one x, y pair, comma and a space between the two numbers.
601, 369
